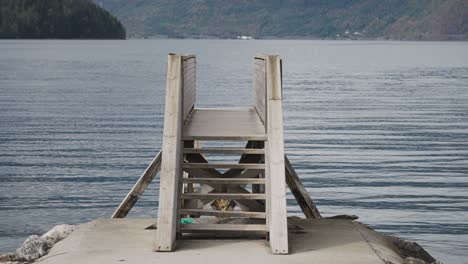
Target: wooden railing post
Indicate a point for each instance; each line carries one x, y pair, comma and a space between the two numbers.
274, 158
171, 157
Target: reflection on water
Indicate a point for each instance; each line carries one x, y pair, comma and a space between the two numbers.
377, 129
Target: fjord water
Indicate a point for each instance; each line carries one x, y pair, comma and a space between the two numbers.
377, 129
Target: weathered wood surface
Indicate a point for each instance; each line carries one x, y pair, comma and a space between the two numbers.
222, 227
189, 64
274, 159
186, 186
232, 196
261, 125
300, 193
247, 159
251, 205
234, 181
224, 150
171, 158
224, 124
224, 165
259, 215
259, 87
139, 187
292, 179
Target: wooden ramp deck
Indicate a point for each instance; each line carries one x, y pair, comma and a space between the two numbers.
224, 124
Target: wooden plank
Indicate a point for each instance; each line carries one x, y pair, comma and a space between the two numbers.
300, 193
189, 72
203, 173
171, 158
259, 88
274, 160
231, 196
224, 124
246, 158
139, 187
236, 181
246, 205
259, 215
233, 137
224, 166
221, 227
224, 150
247, 174
189, 62
189, 81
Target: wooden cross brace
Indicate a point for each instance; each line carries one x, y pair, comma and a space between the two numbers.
251, 205
300, 193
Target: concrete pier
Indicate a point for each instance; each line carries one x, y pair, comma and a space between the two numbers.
312, 241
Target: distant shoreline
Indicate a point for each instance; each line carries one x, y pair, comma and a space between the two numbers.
80, 19
459, 38
240, 40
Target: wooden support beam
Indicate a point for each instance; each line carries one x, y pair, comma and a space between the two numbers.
274, 159
300, 193
139, 187
171, 170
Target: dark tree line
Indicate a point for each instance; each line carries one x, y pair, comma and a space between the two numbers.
61, 19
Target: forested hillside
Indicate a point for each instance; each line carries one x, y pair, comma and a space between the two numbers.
62, 19
361, 19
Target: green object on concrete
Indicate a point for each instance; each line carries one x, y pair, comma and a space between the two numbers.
186, 221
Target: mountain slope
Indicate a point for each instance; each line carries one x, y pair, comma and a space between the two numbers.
62, 19
396, 19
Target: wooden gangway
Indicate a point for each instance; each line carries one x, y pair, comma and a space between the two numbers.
251, 190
